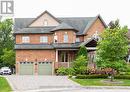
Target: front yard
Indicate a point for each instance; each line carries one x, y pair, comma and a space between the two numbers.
99, 82
4, 85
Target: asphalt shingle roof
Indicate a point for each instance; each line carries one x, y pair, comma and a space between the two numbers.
77, 23
63, 26
47, 46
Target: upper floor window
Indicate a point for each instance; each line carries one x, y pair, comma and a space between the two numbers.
55, 38
65, 38
45, 23
77, 40
25, 39
43, 39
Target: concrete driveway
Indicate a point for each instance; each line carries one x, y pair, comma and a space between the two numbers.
31, 82
54, 84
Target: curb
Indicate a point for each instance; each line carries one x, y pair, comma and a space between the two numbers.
11, 85
106, 87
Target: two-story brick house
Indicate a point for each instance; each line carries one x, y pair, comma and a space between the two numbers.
45, 43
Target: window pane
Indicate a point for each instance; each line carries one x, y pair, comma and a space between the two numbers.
25, 39
43, 39
65, 38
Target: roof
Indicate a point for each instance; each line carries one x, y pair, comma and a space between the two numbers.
33, 46
80, 24
88, 40
47, 46
34, 30
63, 26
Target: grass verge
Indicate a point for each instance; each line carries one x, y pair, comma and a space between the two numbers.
99, 82
4, 85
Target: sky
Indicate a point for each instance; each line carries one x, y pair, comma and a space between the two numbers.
108, 9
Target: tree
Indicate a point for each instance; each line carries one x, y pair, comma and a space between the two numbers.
80, 65
82, 51
8, 57
112, 49
6, 34
6, 39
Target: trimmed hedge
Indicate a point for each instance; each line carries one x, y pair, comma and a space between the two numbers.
101, 76
122, 77
91, 76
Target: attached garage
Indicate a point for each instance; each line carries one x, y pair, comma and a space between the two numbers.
44, 68
26, 68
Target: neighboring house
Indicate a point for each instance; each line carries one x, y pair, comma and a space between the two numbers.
46, 43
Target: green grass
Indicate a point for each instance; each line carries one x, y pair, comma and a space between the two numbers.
98, 82
4, 85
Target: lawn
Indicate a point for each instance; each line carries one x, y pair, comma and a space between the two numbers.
99, 82
4, 85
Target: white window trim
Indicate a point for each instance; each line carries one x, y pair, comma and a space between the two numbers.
25, 39
43, 39
77, 39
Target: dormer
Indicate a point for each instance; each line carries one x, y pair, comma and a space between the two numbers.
44, 20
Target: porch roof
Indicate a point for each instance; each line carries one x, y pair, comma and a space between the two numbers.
47, 46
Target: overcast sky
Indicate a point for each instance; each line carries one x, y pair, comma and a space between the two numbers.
108, 9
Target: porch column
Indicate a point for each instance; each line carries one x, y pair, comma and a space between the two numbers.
56, 55
56, 60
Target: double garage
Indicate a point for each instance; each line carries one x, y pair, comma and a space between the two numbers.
30, 68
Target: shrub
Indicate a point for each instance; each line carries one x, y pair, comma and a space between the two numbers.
70, 71
91, 76
102, 76
122, 77
61, 71
80, 65
65, 71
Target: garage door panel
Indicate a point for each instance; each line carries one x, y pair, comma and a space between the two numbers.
44, 68
26, 68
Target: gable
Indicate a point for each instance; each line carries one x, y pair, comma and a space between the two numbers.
97, 26
39, 21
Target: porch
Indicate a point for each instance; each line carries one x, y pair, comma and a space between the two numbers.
65, 57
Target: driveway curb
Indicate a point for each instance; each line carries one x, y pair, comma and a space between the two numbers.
106, 87
11, 85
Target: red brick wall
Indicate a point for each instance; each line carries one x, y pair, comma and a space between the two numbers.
32, 55
97, 26
81, 38
34, 38
60, 36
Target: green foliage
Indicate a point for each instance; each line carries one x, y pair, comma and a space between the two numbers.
101, 76
70, 71
61, 71
6, 34
8, 57
65, 71
113, 47
80, 65
91, 76
122, 77
6, 40
82, 51
4, 85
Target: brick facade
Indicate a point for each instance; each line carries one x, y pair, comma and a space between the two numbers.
97, 26
44, 55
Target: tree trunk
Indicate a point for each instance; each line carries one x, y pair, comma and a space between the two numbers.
112, 75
